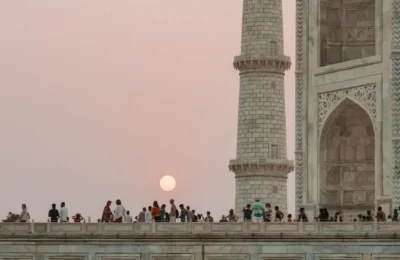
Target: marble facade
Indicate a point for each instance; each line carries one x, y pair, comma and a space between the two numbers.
347, 103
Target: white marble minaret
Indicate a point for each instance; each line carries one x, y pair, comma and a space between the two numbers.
261, 166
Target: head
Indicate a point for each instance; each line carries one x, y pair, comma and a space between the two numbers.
257, 200
337, 214
149, 208
199, 216
144, 209
62, 204
369, 212
155, 204
390, 216
118, 202
163, 206
360, 216
380, 209
395, 211
248, 206
171, 201
276, 208
289, 216
193, 211
321, 210
78, 215
268, 205
53, 206
136, 217
188, 207
23, 206
231, 211
208, 213
301, 210
181, 206
325, 210
127, 212
108, 203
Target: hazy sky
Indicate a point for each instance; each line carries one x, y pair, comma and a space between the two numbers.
100, 99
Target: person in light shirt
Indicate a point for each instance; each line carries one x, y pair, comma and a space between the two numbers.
63, 213
148, 216
119, 212
128, 217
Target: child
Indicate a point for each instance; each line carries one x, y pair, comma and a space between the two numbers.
289, 218
77, 218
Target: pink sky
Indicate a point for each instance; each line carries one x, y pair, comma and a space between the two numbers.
99, 100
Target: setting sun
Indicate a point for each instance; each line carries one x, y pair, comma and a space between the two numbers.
167, 183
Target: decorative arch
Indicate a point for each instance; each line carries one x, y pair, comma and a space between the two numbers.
364, 96
347, 157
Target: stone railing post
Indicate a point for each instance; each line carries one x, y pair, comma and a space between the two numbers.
208, 227
301, 225
190, 227
32, 226
375, 226
100, 227
48, 227
153, 227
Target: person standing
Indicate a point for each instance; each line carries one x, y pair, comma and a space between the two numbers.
128, 217
190, 214
267, 212
24, 216
173, 214
232, 217
247, 212
258, 211
302, 216
380, 216
209, 218
184, 214
119, 212
142, 216
107, 213
163, 214
148, 215
155, 212
278, 214
63, 213
54, 215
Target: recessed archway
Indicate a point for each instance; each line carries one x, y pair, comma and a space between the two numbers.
347, 160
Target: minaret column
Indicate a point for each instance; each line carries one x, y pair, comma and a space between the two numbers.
261, 166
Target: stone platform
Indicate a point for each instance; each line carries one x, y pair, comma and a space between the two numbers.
200, 241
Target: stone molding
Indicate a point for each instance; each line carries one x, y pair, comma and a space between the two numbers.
327, 102
299, 114
396, 101
195, 229
261, 62
262, 167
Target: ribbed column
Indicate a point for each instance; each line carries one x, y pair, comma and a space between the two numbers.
261, 164
396, 101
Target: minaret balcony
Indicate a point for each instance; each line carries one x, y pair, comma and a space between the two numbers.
262, 62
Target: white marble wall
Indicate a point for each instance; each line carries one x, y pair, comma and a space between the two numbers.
374, 70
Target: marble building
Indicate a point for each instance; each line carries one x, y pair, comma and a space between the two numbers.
347, 105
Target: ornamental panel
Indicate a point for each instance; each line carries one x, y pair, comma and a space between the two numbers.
327, 102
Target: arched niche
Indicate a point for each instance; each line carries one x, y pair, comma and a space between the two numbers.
347, 159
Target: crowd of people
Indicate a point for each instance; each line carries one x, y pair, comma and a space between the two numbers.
256, 212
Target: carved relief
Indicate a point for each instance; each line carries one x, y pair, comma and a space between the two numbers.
348, 198
333, 175
365, 94
358, 25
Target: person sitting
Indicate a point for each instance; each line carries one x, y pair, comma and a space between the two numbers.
369, 217
302, 216
77, 218
338, 218
224, 219
289, 218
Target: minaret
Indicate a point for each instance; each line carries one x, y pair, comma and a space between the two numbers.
261, 166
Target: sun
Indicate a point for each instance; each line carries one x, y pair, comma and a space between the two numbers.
167, 183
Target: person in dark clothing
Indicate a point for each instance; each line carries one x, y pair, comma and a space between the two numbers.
302, 216
184, 214
247, 212
337, 216
369, 217
54, 215
323, 216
